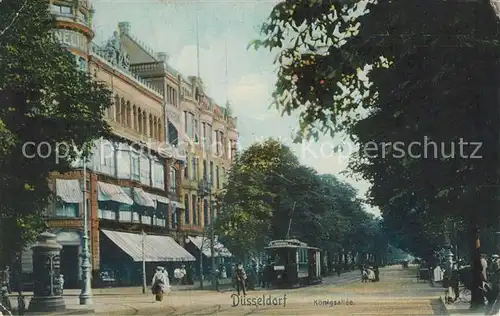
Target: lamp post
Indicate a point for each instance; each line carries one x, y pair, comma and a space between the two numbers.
205, 189
86, 291
143, 235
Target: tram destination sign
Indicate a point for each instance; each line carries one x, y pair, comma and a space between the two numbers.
71, 38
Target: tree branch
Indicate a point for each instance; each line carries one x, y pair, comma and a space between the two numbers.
13, 19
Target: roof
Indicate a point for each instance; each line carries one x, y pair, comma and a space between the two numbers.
156, 248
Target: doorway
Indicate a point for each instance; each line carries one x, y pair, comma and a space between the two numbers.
70, 265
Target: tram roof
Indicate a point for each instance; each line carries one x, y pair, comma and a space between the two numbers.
290, 243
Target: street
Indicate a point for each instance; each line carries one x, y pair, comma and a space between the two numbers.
397, 293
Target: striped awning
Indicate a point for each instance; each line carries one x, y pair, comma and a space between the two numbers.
143, 199
111, 192
204, 244
156, 248
158, 199
69, 190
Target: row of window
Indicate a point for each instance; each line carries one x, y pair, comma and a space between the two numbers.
192, 130
121, 161
208, 210
172, 96
191, 171
68, 11
136, 118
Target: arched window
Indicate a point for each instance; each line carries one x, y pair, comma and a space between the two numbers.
144, 123
123, 112
113, 107
139, 121
151, 129
155, 128
194, 200
134, 117
172, 179
187, 208
205, 212
128, 115
160, 131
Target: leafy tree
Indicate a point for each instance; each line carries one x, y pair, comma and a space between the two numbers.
270, 196
433, 74
43, 98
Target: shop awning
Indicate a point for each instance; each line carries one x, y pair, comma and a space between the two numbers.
143, 199
111, 192
158, 199
220, 249
156, 248
69, 190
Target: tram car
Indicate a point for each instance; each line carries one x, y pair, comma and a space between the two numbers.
293, 263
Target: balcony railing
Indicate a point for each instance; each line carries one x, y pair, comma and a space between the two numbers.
146, 220
125, 216
159, 222
107, 214
101, 53
136, 217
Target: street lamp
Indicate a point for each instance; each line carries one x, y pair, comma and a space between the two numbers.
86, 293
204, 190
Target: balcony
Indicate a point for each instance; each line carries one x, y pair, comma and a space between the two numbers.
106, 214
149, 69
125, 216
159, 222
146, 220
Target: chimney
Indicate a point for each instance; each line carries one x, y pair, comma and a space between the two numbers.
124, 27
162, 56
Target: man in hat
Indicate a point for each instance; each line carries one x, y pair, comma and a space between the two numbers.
241, 277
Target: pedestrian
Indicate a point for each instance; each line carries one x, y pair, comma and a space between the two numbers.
484, 266
183, 273
377, 273
5, 279
159, 283
337, 269
61, 282
240, 278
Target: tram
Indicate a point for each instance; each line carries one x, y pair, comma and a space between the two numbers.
293, 263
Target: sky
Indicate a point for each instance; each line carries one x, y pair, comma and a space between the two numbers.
247, 81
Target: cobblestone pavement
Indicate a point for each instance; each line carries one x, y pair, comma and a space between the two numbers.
398, 293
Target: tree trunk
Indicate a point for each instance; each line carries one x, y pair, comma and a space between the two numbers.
477, 298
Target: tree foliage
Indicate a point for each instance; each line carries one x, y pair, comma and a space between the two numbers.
268, 191
400, 71
43, 98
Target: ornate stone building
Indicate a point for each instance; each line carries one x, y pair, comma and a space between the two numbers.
146, 184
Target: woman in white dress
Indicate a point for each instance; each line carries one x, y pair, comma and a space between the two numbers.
160, 283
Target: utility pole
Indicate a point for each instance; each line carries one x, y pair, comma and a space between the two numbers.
86, 291
290, 221
201, 260
144, 284
212, 245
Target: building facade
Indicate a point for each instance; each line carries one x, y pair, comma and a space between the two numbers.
142, 185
